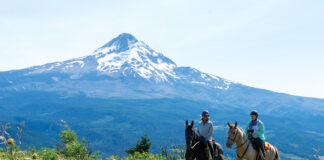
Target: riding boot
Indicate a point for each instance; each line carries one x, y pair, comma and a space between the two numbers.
211, 148
263, 150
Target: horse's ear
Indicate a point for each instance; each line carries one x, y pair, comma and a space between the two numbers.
192, 123
186, 122
235, 125
229, 125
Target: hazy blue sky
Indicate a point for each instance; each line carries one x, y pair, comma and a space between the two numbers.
276, 44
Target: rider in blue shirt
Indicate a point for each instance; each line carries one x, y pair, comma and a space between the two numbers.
205, 131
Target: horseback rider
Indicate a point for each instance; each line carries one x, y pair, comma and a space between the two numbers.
255, 131
205, 131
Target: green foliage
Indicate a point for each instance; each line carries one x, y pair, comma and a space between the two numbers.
174, 152
68, 137
70, 149
139, 156
142, 146
49, 154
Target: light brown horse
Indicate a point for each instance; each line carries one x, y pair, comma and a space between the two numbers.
244, 149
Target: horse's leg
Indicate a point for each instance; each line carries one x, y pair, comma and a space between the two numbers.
187, 155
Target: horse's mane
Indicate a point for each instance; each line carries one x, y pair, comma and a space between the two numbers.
242, 130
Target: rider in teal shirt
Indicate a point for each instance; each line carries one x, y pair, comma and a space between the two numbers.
255, 130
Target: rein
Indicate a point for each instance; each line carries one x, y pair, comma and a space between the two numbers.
242, 144
240, 157
194, 146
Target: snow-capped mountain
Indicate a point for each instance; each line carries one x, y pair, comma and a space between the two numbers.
128, 68
123, 58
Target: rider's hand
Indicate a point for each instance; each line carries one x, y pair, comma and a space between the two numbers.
250, 130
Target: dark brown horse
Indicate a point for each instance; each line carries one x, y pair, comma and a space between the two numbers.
196, 149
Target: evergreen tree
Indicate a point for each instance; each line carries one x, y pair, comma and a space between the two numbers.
142, 145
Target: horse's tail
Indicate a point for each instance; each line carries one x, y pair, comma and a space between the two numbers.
277, 153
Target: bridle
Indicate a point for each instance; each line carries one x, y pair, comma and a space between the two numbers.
193, 145
233, 140
190, 136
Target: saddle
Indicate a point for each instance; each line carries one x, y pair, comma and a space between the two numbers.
218, 150
257, 147
266, 146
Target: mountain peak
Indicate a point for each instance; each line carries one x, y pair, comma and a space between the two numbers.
121, 42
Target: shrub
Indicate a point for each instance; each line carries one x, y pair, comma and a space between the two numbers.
72, 147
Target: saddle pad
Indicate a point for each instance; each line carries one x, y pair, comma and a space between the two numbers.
266, 146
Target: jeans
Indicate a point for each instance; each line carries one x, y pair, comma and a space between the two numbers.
210, 145
260, 144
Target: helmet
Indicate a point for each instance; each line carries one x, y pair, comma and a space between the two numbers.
254, 112
205, 112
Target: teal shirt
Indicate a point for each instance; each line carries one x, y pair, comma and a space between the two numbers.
259, 132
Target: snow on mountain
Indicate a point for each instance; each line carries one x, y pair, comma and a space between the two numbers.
125, 56
125, 53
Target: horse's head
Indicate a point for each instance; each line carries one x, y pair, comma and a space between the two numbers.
190, 133
232, 134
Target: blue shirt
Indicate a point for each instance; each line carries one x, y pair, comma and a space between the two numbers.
205, 130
